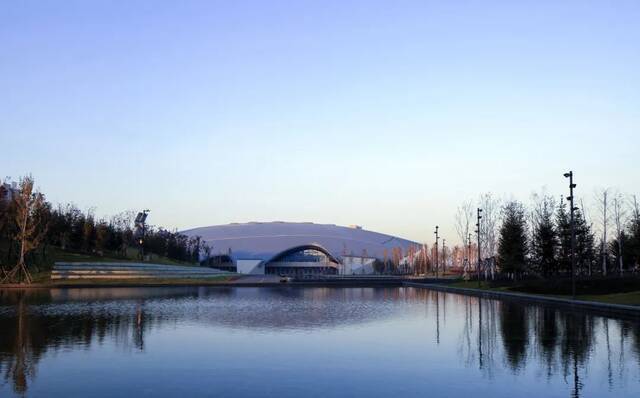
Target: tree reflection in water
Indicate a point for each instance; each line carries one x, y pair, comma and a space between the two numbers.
515, 332
561, 341
492, 336
25, 337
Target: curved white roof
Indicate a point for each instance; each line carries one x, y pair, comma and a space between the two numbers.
264, 240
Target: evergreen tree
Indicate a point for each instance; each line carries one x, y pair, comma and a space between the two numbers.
563, 230
544, 240
512, 247
103, 235
585, 250
88, 233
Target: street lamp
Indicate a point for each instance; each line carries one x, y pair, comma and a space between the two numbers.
569, 175
140, 222
478, 233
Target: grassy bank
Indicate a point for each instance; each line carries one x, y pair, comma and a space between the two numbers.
56, 254
629, 296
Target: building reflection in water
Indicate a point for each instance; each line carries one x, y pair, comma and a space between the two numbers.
490, 336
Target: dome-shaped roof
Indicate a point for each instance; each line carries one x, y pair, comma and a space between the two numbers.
264, 240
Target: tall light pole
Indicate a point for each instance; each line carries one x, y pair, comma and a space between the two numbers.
141, 223
569, 175
437, 237
478, 233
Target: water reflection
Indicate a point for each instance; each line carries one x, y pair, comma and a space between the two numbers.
558, 342
489, 342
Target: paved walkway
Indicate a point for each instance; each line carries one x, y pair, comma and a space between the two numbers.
255, 280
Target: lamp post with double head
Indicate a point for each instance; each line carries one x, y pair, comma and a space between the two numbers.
569, 175
478, 234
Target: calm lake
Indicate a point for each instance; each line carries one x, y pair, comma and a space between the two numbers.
314, 342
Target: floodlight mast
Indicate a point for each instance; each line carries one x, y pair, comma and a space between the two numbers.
141, 219
478, 234
570, 198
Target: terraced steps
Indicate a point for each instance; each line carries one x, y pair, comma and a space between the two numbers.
84, 270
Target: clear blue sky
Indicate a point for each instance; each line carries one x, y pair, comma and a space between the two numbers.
385, 114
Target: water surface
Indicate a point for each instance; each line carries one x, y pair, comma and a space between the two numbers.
316, 342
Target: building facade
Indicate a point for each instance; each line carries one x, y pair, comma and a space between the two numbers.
300, 250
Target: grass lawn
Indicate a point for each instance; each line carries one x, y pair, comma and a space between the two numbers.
627, 298
56, 254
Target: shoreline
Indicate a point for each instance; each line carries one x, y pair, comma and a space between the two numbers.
348, 282
228, 280
609, 308
429, 283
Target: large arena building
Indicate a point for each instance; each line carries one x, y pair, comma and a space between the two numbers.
301, 250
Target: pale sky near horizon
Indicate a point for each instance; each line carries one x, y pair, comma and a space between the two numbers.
385, 114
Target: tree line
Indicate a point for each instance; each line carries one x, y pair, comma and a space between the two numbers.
519, 241
30, 226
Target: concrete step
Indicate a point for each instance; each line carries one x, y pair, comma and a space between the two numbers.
124, 264
134, 276
126, 272
82, 270
114, 269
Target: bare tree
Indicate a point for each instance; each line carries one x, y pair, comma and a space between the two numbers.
489, 226
464, 221
491, 210
4, 221
619, 214
29, 218
602, 197
423, 258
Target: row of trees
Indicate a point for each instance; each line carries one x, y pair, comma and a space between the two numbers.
30, 226
537, 240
